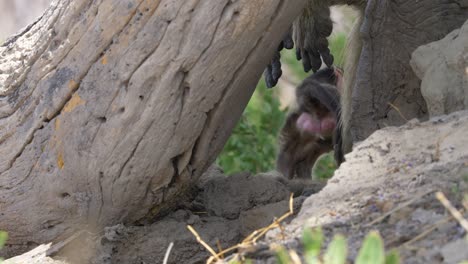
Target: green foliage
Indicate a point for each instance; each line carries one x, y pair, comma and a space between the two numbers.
312, 240
393, 257
288, 57
337, 251
282, 256
3, 239
324, 167
337, 47
247, 261
372, 250
253, 144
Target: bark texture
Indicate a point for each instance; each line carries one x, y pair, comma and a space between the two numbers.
110, 109
391, 31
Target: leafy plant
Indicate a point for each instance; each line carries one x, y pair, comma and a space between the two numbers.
372, 250
282, 256
3, 239
324, 167
337, 251
252, 145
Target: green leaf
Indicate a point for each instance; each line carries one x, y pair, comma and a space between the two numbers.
312, 240
372, 250
282, 256
393, 257
3, 238
325, 167
337, 251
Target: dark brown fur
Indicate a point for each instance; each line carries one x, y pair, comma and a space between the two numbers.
298, 151
309, 35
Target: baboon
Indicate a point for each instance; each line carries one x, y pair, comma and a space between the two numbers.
309, 34
310, 130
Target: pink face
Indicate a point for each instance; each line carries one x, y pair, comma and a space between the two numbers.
311, 124
324, 126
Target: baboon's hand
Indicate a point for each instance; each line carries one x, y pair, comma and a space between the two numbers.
273, 71
311, 30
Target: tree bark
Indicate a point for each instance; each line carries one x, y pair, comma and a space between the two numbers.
386, 91
110, 109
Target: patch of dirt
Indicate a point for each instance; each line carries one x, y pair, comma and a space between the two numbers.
388, 183
225, 210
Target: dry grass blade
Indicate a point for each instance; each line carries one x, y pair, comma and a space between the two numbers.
247, 242
213, 253
294, 257
168, 252
398, 110
220, 249
403, 205
58, 246
276, 223
455, 213
426, 232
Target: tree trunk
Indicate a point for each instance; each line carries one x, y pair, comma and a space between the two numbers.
387, 91
110, 109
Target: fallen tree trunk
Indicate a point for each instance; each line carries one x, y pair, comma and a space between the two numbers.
110, 109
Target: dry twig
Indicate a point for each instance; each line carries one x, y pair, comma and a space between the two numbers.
168, 252
400, 206
247, 242
426, 232
398, 110
455, 213
200, 240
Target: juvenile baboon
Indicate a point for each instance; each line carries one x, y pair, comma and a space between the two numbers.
309, 130
309, 34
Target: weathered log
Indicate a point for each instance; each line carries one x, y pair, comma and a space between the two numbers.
110, 109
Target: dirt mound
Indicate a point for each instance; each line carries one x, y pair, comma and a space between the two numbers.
224, 211
387, 184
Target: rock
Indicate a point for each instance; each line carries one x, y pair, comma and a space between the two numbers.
228, 196
400, 180
261, 216
443, 68
455, 251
